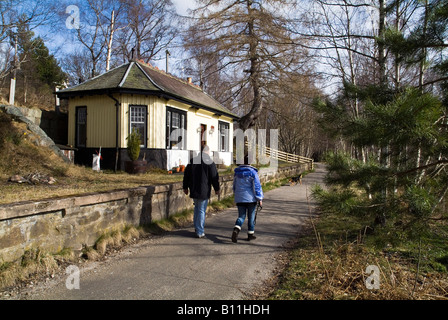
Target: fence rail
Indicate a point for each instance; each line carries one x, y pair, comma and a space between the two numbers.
286, 157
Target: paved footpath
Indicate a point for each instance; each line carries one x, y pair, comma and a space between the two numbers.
179, 266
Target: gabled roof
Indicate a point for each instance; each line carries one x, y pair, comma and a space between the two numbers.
138, 77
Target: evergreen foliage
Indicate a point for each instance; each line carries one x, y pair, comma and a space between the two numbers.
37, 60
403, 180
134, 145
396, 170
38, 71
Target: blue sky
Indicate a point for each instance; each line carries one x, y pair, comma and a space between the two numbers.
61, 43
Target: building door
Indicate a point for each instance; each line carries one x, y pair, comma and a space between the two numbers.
203, 137
81, 127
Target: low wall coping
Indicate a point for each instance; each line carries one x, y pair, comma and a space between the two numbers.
29, 208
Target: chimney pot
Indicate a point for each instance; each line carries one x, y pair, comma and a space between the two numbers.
190, 80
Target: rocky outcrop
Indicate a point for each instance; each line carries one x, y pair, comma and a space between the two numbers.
43, 139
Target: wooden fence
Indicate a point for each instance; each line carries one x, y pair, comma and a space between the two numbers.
286, 157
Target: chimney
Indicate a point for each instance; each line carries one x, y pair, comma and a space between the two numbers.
168, 54
190, 80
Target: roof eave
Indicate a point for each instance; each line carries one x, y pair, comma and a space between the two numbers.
160, 94
69, 94
198, 105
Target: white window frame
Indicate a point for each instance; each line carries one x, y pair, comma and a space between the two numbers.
140, 119
224, 133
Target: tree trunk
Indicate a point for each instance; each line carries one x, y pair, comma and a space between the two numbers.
249, 119
111, 39
381, 45
421, 77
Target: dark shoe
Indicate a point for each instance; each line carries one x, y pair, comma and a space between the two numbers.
235, 233
251, 237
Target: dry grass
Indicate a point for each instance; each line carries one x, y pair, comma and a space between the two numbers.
324, 269
70, 180
34, 263
21, 155
113, 240
341, 274
77, 184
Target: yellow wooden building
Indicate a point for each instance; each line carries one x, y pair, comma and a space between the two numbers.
174, 118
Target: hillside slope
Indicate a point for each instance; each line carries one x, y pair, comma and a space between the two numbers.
22, 150
24, 154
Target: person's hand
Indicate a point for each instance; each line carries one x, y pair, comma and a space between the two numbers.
261, 203
186, 191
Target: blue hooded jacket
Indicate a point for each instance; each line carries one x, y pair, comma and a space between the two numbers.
246, 185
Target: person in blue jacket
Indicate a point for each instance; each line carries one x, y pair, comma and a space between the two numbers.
248, 192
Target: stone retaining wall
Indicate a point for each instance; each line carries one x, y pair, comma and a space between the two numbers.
78, 221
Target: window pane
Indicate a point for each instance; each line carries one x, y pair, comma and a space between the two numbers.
82, 116
176, 120
176, 124
224, 136
137, 116
140, 129
182, 125
81, 127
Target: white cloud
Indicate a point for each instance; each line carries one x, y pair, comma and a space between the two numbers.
182, 6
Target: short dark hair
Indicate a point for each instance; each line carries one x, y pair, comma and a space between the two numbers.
246, 159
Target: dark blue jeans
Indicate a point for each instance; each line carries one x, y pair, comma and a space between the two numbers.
200, 208
248, 210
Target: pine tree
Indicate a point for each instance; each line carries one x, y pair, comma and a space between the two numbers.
399, 190
403, 181
39, 71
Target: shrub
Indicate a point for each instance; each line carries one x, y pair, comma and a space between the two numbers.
134, 145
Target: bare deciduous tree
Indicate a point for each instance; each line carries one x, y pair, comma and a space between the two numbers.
204, 65
77, 65
90, 33
111, 15
255, 44
151, 28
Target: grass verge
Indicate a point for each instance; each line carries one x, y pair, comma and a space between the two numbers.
34, 262
330, 262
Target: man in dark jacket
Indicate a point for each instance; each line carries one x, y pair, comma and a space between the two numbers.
200, 175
